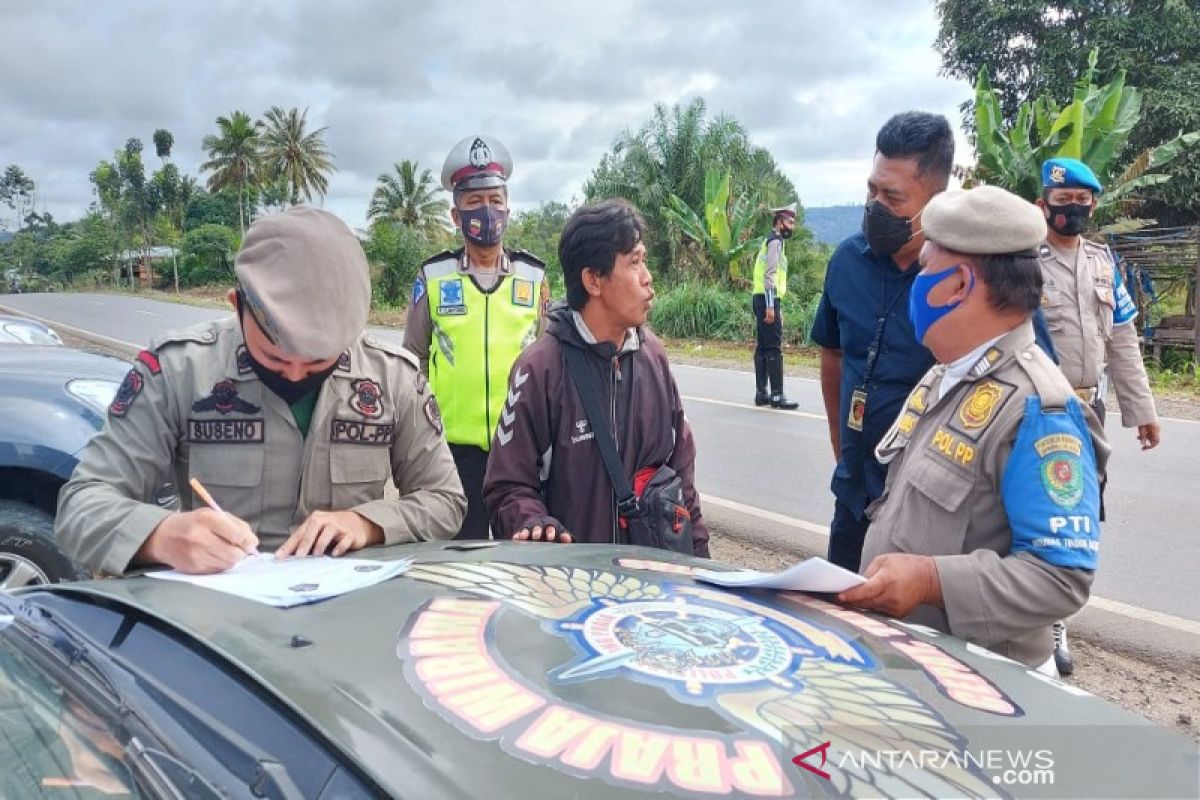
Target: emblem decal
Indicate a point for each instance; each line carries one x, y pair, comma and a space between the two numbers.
350, 431
130, 388
224, 400
1062, 476
418, 291
522, 292
764, 669
366, 398
421, 382
343, 362
481, 154
434, 414
1058, 174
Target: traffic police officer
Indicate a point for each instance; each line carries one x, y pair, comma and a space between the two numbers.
1090, 315
770, 284
989, 525
473, 311
289, 415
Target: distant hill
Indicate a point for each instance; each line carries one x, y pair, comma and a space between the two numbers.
832, 224
5, 236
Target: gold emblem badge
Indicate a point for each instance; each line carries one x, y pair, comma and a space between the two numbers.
916, 400
522, 292
977, 410
1058, 174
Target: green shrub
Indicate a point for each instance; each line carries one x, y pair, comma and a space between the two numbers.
702, 311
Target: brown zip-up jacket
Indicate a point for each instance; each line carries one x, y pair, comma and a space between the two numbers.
544, 459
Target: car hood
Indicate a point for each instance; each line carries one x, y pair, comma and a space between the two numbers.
546, 670
45, 361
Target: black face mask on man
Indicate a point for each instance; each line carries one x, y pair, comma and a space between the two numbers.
1069, 219
885, 231
287, 390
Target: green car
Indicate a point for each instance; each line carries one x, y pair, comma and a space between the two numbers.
537, 671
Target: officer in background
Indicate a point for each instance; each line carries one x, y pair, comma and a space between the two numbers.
1090, 316
989, 526
473, 311
770, 284
291, 417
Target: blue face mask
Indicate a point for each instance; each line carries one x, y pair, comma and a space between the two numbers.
922, 314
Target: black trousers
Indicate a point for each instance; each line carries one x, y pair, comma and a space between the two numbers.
768, 337
472, 464
846, 536
768, 347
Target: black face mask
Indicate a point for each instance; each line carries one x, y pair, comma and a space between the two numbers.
288, 390
1069, 219
786, 233
885, 232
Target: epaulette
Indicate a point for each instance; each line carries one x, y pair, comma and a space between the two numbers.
1096, 246
1045, 376
203, 333
377, 343
442, 256
525, 255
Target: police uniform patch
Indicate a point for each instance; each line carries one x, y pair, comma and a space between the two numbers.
353, 431
224, 400
343, 362
979, 407
130, 388
522, 292
1062, 477
989, 360
243, 360
450, 297
1058, 174
367, 398
150, 361
952, 446
418, 291
434, 414
908, 421
918, 400
224, 431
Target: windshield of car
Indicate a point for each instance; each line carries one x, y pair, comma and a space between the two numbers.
51, 744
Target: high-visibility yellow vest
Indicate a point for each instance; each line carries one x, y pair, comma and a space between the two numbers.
760, 268
477, 337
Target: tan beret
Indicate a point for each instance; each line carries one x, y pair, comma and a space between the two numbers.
986, 220
305, 279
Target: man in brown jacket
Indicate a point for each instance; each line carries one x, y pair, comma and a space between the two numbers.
988, 527
545, 479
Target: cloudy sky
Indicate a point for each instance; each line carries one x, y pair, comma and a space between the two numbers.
555, 80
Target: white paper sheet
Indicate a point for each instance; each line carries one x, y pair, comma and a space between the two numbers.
810, 575
289, 582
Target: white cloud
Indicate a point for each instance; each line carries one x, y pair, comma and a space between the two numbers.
556, 81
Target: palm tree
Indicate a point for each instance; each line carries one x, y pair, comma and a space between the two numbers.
300, 160
408, 198
234, 157
670, 157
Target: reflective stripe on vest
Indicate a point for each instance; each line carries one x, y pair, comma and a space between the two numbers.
476, 338
760, 269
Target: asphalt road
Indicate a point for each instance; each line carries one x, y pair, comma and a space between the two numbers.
779, 463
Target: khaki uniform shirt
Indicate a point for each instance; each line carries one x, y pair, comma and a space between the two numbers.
944, 498
1079, 300
192, 407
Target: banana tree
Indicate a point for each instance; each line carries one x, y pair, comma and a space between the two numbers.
722, 232
1094, 128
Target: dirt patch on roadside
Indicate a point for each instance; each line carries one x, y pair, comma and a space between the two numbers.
1168, 697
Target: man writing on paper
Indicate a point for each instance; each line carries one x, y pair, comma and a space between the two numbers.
989, 526
288, 413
